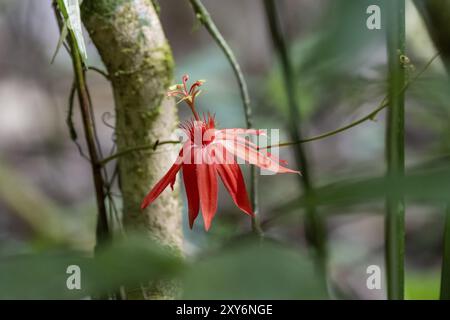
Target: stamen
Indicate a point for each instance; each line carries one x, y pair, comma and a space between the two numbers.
180, 90
198, 83
185, 79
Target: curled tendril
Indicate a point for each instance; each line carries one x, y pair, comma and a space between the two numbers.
106, 116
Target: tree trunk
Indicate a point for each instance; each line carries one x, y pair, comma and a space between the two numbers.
131, 42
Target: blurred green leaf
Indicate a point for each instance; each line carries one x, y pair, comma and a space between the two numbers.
422, 286
43, 216
329, 61
345, 39
430, 184
254, 271
43, 275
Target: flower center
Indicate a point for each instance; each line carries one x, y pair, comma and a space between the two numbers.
200, 133
181, 91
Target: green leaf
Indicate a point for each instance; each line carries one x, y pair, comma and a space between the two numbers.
254, 271
43, 275
70, 10
62, 38
422, 286
421, 185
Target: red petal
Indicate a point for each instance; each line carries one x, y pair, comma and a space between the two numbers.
234, 182
232, 178
169, 177
255, 157
190, 184
207, 188
237, 139
275, 158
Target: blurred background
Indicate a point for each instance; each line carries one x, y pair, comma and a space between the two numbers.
341, 71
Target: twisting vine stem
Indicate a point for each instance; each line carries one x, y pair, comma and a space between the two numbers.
365, 118
152, 146
100, 72
395, 150
102, 230
69, 121
370, 116
314, 225
205, 19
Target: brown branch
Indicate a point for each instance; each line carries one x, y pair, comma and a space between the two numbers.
102, 230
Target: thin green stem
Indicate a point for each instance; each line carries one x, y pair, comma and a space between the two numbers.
152, 146
395, 151
100, 72
69, 119
370, 116
445, 274
70, 124
102, 230
205, 19
314, 225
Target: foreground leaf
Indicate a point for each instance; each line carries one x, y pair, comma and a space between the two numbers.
254, 271
43, 276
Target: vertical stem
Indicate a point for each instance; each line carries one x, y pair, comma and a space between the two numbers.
102, 230
204, 17
315, 228
395, 209
445, 275
435, 16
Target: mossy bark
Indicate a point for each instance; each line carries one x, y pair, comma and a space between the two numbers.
132, 45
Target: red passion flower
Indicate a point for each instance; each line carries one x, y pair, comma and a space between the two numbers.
209, 152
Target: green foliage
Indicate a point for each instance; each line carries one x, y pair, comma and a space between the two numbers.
254, 271
422, 286
325, 61
326, 70
430, 185
250, 270
42, 275
70, 10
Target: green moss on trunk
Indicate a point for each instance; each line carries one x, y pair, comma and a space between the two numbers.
131, 42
